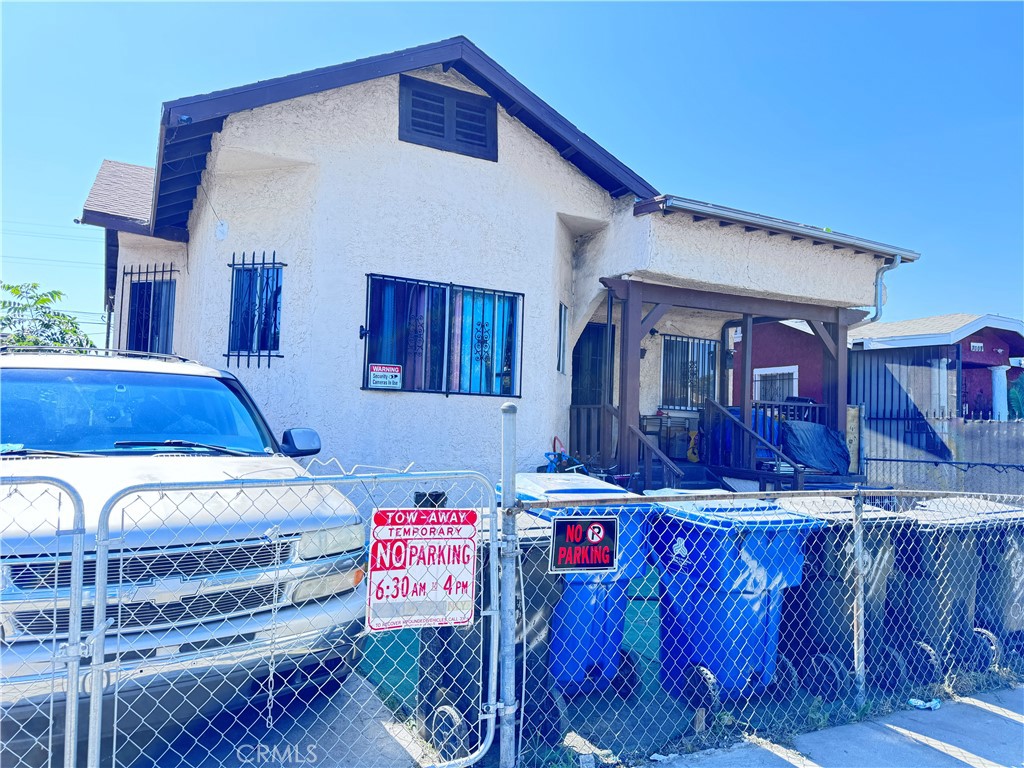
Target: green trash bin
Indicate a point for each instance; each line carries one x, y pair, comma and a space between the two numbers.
934, 594
817, 635
1000, 599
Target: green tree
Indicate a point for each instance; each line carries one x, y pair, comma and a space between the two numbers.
1015, 396
29, 318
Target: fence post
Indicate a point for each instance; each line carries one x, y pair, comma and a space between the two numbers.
507, 602
858, 597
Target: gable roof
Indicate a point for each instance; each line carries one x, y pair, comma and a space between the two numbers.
121, 198
930, 331
187, 127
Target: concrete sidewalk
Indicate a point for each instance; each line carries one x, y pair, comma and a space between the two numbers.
982, 731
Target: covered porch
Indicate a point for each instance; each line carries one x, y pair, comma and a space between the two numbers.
680, 425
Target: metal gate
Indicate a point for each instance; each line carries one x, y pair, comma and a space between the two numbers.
234, 626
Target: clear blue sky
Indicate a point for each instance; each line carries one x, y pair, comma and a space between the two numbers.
896, 122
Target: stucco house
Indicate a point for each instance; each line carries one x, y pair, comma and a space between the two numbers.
388, 249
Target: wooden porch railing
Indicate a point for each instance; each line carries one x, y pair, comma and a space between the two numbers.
649, 450
729, 444
772, 413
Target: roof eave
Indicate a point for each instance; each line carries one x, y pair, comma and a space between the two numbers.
755, 221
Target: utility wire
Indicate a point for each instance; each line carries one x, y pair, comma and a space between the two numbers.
48, 236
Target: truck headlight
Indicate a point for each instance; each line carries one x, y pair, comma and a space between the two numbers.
326, 585
330, 541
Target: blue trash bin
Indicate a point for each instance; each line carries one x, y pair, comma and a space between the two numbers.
723, 566
588, 622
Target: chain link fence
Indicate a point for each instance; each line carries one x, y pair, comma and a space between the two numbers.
734, 616
353, 620
233, 630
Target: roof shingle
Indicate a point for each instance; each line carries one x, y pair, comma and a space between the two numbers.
121, 190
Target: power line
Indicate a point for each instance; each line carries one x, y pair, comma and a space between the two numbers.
60, 262
5, 222
46, 236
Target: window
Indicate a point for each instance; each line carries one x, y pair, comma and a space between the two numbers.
774, 385
446, 118
688, 371
440, 337
150, 319
255, 327
563, 336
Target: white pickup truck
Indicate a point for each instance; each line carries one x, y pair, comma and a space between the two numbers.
212, 598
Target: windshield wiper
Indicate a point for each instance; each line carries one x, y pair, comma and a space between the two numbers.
179, 444
40, 452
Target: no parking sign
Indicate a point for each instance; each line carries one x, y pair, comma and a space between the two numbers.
584, 545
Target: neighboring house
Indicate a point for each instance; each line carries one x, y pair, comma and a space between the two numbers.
950, 365
388, 249
956, 364
916, 379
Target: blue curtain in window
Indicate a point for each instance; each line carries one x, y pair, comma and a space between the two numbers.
446, 338
484, 334
407, 328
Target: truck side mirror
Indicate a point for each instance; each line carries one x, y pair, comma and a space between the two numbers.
300, 442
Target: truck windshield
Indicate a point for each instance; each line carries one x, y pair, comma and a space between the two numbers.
88, 411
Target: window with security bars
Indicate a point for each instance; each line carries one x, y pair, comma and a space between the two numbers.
446, 118
440, 337
776, 384
150, 292
689, 368
255, 327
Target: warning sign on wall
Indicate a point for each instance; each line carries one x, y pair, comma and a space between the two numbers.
422, 568
385, 376
584, 544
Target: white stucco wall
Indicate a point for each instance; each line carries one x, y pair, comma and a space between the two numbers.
323, 181
140, 252
726, 259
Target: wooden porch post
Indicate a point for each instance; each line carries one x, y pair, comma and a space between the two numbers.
608, 386
629, 376
842, 367
746, 404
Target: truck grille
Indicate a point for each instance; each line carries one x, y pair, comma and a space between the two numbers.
144, 566
146, 615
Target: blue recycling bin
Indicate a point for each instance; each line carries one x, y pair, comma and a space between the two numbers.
588, 622
723, 566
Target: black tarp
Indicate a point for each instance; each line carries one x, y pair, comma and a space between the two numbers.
816, 446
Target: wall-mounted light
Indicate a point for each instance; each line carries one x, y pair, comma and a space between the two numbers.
643, 350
